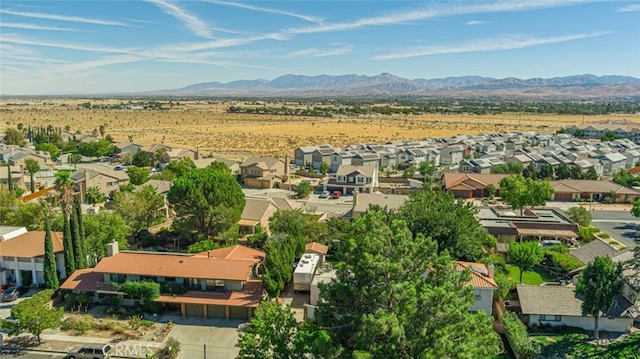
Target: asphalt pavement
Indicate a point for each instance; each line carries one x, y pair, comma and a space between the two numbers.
620, 225
30, 355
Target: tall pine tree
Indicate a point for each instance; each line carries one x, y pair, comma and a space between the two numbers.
69, 257
77, 233
51, 280
78, 254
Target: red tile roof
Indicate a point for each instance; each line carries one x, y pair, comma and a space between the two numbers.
478, 280
316, 247
237, 252
30, 244
171, 265
250, 296
452, 179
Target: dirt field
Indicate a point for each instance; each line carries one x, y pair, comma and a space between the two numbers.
238, 136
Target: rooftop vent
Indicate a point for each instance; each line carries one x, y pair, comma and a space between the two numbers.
182, 261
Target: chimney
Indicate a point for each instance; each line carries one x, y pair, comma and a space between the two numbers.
197, 155
112, 249
491, 269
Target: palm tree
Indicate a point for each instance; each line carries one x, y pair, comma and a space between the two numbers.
32, 166
94, 195
64, 186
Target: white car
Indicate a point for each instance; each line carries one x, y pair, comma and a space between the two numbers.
325, 194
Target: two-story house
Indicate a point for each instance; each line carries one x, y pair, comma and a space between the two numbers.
262, 172
452, 154
612, 162
351, 179
107, 180
22, 255
218, 283
483, 285
321, 155
302, 156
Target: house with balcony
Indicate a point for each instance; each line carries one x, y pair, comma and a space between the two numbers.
22, 255
219, 283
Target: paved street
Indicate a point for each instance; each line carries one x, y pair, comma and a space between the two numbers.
333, 207
622, 226
31, 355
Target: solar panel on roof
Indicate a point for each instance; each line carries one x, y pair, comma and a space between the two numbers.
478, 270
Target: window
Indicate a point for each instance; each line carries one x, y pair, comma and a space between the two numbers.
550, 318
478, 294
360, 180
9, 259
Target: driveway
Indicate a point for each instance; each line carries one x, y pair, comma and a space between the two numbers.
5, 307
215, 337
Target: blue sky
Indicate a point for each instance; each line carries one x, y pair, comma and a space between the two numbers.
89, 47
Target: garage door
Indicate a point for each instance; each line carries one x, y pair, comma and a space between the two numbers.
215, 311
238, 313
563, 196
194, 310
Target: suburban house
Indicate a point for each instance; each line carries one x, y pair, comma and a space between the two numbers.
483, 285
107, 180
22, 255
126, 147
452, 155
17, 176
507, 225
622, 128
351, 179
232, 165
596, 248
257, 212
304, 155
613, 162
155, 151
570, 190
559, 305
321, 155
177, 154
339, 159
631, 289
262, 172
220, 283
20, 156
467, 185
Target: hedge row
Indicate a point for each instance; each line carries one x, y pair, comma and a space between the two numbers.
518, 337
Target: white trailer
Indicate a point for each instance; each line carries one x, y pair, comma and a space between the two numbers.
306, 269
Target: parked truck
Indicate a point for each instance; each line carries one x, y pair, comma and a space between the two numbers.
304, 272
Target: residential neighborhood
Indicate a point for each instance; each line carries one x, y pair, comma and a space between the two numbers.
251, 260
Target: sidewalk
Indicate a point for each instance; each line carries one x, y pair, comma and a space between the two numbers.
57, 343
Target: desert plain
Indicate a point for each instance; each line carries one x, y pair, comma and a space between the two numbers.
238, 136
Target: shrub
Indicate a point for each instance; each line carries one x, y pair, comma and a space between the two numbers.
170, 351
146, 290
153, 308
562, 263
587, 233
173, 289
604, 235
519, 337
135, 322
79, 325
498, 262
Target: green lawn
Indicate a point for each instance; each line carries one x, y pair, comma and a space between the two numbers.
535, 277
575, 346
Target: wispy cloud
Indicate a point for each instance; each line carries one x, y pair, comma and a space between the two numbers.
475, 22
434, 11
12, 39
314, 52
77, 19
491, 44
192, 22
267, 10
629, 8
20, 25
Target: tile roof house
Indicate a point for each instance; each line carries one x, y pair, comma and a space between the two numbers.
22, 256
262, 172
570, 189
220, 283
559, 305
467, 185
107, 180
483, 285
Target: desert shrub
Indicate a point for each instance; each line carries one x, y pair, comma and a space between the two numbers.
562, 263
79, 325
105, 324
518, 336
170, 351
135, 322
147, 323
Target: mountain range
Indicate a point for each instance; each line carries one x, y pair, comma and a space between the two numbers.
578, 87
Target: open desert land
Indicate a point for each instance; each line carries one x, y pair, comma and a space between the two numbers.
238, 136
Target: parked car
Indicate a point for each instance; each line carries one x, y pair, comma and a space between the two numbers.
336, 194
118, 168
90, 351
325, 194
13, 293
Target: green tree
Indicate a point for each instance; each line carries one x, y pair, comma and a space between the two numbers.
580, 215
141, 159
427, 169
14, 137
525, 255
186, 165
521, 192
103, 130
96, 149
546, 172
77, 233
138, 175
141, 208
563, 172
64, 186
303, 190
592, 174
215, 165
50, 148
272, 333
450, 222
32, 166
600, 282
608, 136
94, 195
490, 191
409, 172
324, 167
33, 316
299, 226
101, 229
395, 297
51, 280
67, 242
208, 201
74, 159
277, 268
